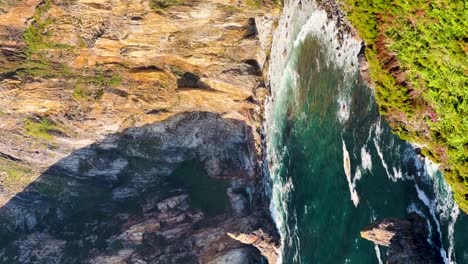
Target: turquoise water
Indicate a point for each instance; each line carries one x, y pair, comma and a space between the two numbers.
336, 167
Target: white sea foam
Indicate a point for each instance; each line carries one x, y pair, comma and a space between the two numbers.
300, 19
446, 207
378, 128
351, 181
343, 107
430, 204
378, 132
366, 159
397, 173
380, 154
377, 253
451, 232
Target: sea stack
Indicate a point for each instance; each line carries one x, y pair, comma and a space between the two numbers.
406, 239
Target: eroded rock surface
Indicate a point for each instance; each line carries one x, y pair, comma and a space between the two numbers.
406, 239
113, 112
265, 242
116, 201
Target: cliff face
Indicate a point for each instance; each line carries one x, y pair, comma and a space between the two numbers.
129, 131
406, 239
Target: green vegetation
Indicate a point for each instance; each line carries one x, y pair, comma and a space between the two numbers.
256, 4
176, 70
3, 6
231, 9
159, 5
14, 176
35, 35
35, 64
103, 80
80, 92
91, 86
40, 129
43, 69
253, 4
51, 188
417, 52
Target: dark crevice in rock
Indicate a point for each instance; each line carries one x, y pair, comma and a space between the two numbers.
9, 157
116, 91
99, 6
148, 68
191, 80
157, 111
90, 36
251, 31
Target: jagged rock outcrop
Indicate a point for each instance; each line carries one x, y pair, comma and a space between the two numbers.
266, 243
406, 239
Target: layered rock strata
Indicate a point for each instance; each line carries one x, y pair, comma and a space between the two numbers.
129, 131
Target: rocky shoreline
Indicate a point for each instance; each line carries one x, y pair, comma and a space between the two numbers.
407, 238
344, 27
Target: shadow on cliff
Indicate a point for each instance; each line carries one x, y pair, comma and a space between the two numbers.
192, 172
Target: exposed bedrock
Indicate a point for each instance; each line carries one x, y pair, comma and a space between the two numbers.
130, 130
406, 239
167, 192
265, 242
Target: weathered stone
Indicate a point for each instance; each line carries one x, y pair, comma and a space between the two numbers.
36, 248
265, 243
173, 202
135, 232
233, 256
407, 239
99, 175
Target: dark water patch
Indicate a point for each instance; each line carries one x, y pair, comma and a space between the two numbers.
206, 193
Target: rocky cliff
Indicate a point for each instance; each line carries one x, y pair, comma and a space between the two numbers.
130, 131
406, 239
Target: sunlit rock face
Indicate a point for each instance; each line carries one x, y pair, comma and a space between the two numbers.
94, 68
406, 239
265, 242
130, 131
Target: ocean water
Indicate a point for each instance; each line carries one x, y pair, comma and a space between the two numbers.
334, 164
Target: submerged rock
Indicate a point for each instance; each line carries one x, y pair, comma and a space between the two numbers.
406, 239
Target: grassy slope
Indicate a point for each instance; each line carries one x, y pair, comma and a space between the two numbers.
417, 52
